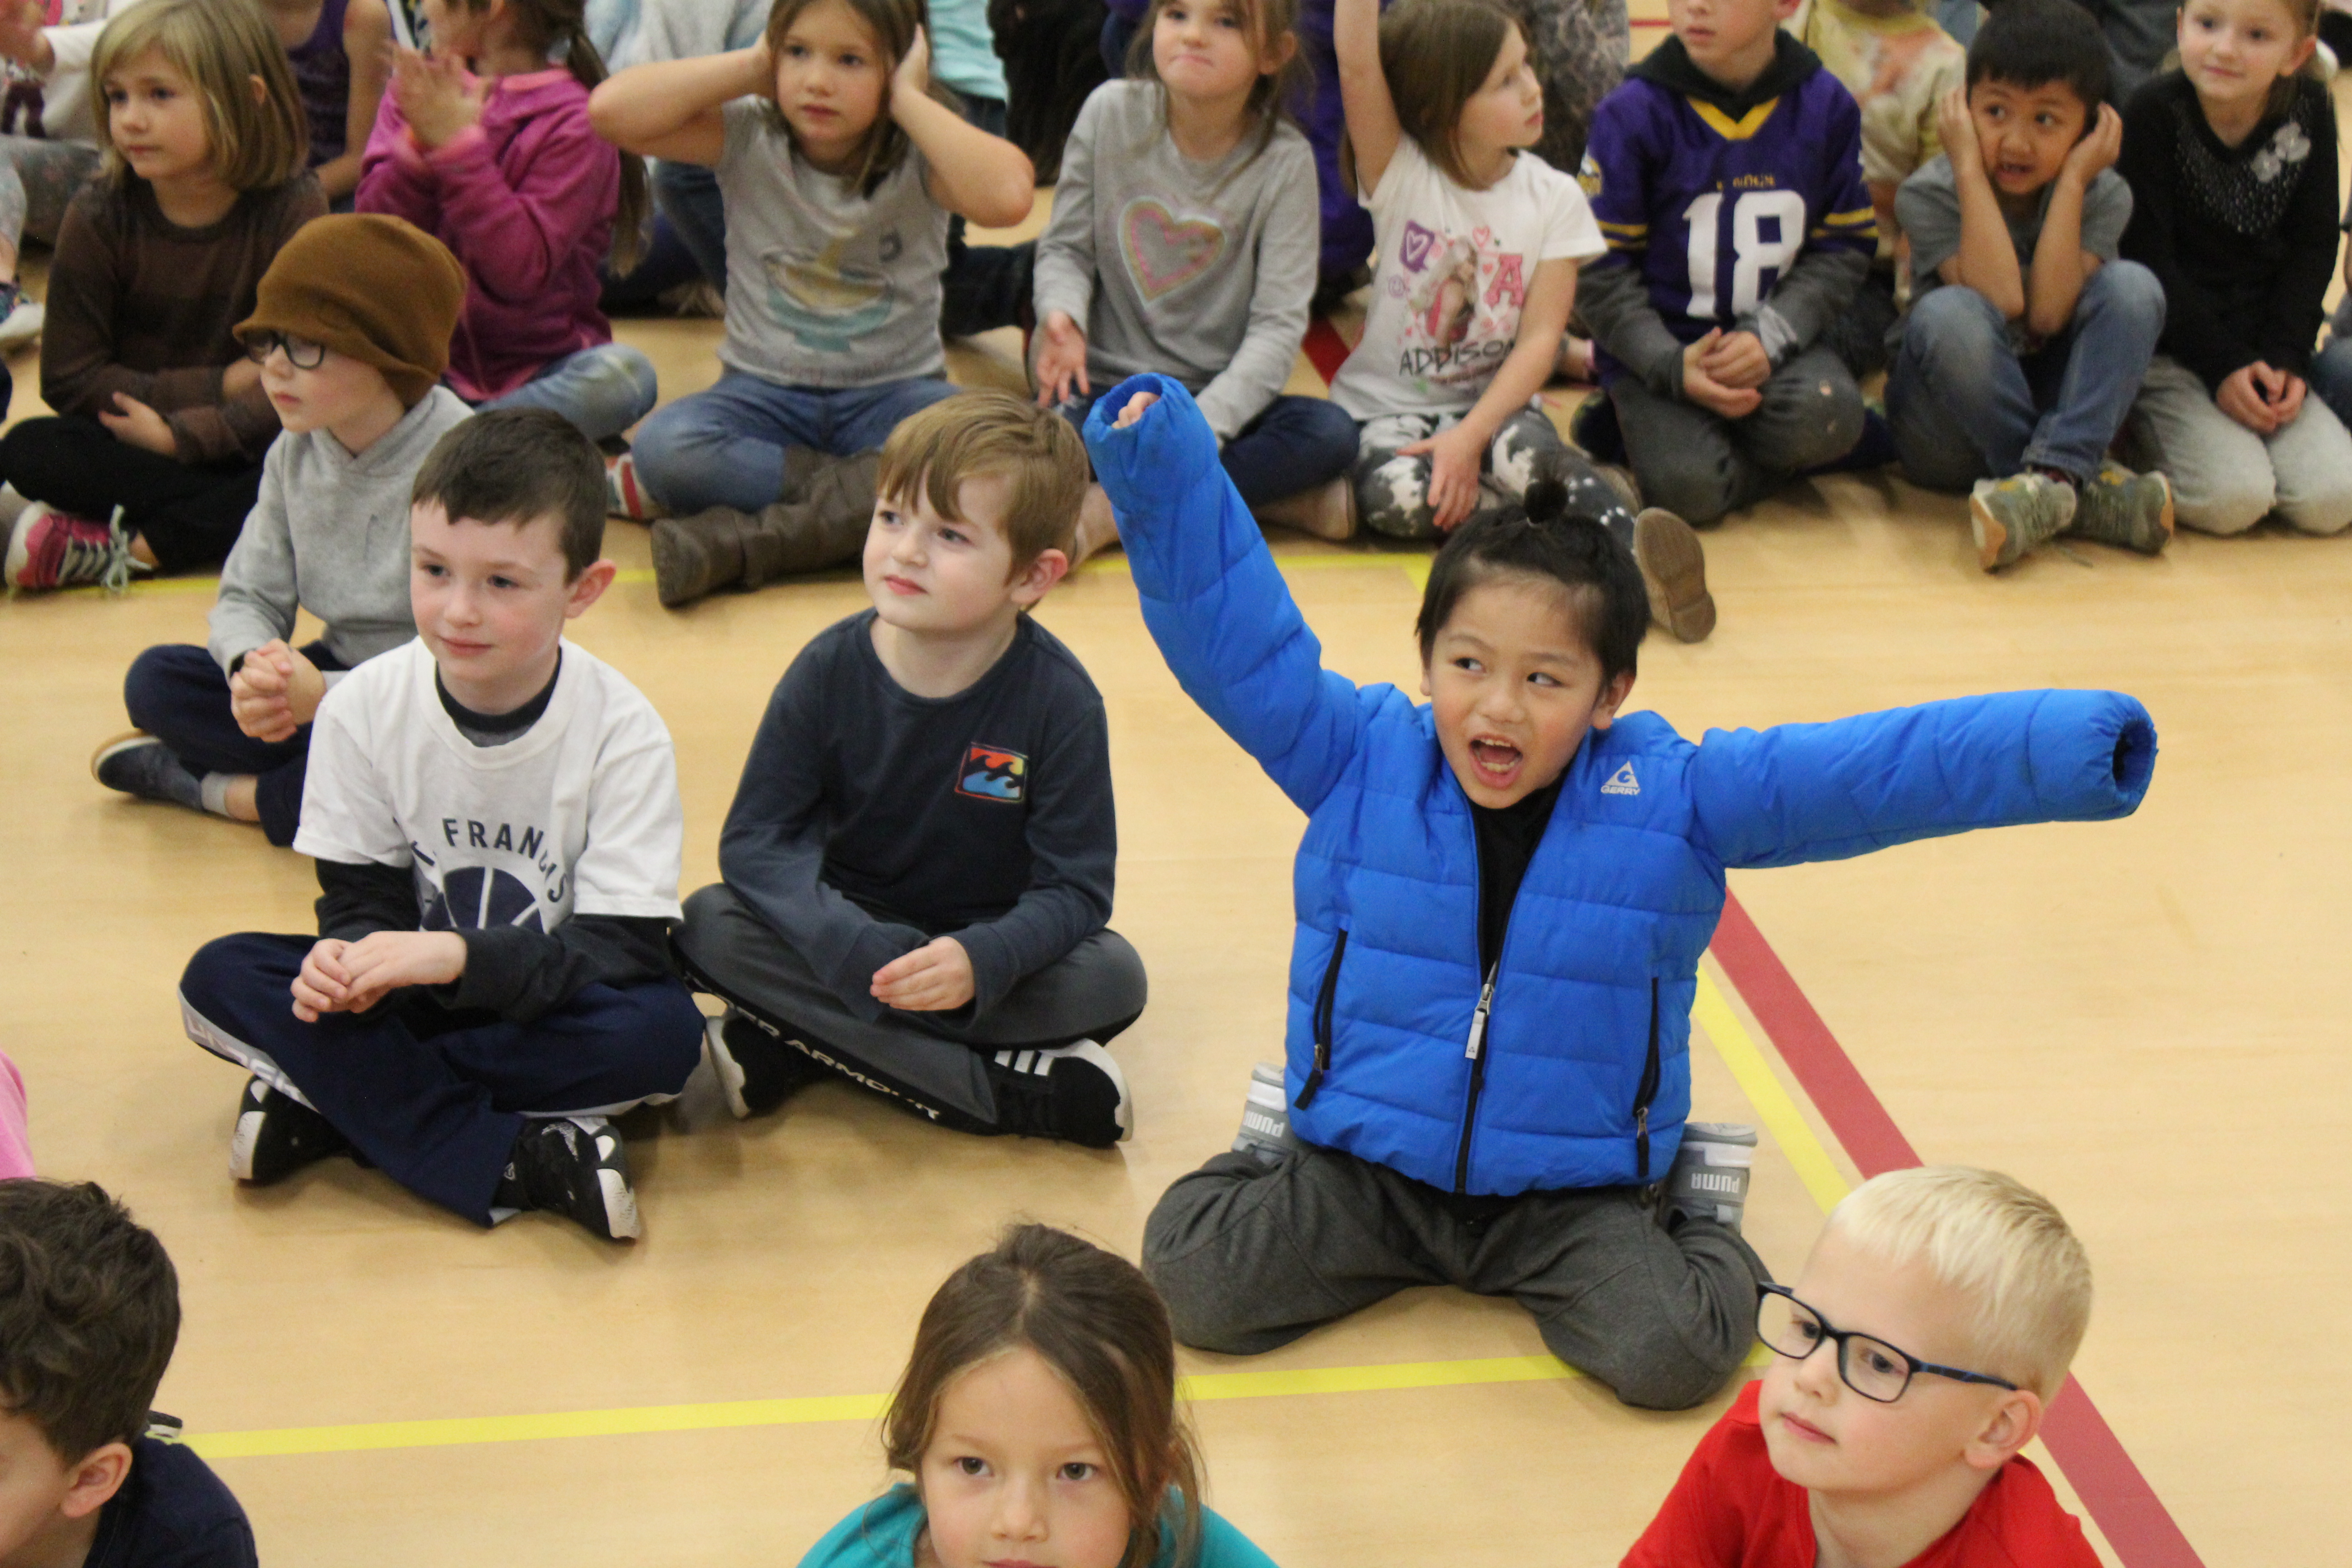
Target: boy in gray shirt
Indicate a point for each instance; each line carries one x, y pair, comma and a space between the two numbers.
2027, 338
352, 328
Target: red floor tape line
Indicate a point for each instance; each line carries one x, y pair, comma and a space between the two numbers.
2136, 1524
1326, 350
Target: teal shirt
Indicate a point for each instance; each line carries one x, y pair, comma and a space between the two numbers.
881, 1534
963, 50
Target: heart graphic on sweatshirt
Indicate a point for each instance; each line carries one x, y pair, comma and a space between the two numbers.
1166, 252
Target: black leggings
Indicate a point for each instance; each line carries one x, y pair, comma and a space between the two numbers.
189, 515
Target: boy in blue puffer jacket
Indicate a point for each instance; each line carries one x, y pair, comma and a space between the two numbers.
1502, 899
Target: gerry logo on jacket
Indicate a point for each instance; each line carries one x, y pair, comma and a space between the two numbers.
992, 772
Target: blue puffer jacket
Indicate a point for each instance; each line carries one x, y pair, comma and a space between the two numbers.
1582, 1076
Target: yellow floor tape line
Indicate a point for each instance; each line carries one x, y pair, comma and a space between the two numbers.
1778, 1113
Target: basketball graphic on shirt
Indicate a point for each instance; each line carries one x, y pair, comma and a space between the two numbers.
475, 897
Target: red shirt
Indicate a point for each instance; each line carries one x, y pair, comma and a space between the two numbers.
1731, 1510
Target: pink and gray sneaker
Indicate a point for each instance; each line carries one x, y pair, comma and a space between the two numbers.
50, 549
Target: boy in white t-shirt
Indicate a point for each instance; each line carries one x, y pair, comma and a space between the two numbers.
496, 820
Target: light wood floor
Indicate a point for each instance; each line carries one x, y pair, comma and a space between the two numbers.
2147, 1020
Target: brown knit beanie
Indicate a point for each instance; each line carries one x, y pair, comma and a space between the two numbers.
378, 289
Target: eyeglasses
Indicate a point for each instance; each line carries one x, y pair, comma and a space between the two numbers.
300, 352
1872, 1368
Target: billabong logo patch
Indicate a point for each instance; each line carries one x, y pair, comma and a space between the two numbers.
992, 772
1623, 782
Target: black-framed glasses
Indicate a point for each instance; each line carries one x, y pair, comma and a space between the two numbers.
1871, 1367
300, 352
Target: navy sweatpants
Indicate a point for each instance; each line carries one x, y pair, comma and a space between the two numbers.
177, 694
435, 1098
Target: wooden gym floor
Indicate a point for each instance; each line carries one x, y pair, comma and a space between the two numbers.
2147, 1020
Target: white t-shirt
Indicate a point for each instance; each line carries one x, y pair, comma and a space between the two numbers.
1453, 273
579, 815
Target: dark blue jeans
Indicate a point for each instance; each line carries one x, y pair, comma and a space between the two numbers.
177, 694
725, 446
435, 1098
1296, 444
1964, 406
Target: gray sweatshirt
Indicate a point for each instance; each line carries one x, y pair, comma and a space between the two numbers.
1199, 271
329, 534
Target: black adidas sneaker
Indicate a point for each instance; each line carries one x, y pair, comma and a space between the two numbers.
758, 1069
276, 1135
572, 1166
1074, 1092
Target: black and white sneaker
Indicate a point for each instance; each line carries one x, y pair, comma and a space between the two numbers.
572, 1166
138, 764
276, 1135
758, 1069
1074, 1092
1265, 1134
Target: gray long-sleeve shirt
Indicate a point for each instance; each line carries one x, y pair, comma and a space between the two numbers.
1200, 271
870, 820
329, 534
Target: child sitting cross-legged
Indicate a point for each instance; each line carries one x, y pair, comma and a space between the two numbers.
918, 861
1915, 1356
350, 331
496, 820
89, 1310
1502, 898
2027, 338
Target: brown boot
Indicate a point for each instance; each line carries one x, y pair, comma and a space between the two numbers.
700, 554
1327, 511
822, 526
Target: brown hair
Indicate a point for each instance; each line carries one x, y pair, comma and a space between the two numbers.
1436, 54
89, 1310
893, 25
976, 432
1273, 99
220, 46
517, 466
1093, 1318
545, 23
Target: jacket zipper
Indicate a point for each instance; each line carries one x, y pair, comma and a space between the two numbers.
1476, 1050
1322, 1024
1646, 1093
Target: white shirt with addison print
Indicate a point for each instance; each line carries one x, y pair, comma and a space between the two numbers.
580, 815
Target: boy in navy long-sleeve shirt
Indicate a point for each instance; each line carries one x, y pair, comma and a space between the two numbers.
919, 862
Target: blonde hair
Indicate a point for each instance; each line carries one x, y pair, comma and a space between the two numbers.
220, 46
1995, 1241
976, 432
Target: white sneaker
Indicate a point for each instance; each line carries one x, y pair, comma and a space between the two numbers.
22, 325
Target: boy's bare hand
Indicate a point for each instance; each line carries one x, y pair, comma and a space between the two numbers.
1455, 456
1957, 129
1738, 359
386, 960
1731, 402
1061, 360
136, 425
257, 693
1134, 409
2241, 397
2097, 151
322, 986
933, 978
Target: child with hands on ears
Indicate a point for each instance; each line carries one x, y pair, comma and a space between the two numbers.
484, 146
2233, 164
1478, 247
839, 166
159, 413
1184, 240
2028, 336
351, 332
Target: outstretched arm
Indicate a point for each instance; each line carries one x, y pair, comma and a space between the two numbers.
1373, 127
1220, 611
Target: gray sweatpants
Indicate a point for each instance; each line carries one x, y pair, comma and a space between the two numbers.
1251, 1258
1699, 465
2225, 477
933, 1063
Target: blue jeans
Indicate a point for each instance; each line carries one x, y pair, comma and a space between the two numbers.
687, 194
1296, 444
603, 390
726, 446
1965, 406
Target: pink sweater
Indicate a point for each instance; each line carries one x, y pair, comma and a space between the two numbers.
526, 200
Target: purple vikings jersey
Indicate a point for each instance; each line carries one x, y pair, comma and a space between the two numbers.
1713, 197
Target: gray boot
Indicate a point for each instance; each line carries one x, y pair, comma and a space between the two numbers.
822, 524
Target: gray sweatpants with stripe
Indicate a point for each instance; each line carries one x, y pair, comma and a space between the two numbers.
1251, 1258
934, 1064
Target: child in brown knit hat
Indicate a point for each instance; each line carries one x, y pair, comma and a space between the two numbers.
352, 330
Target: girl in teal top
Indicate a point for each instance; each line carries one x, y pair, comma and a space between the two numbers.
1038, 1417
